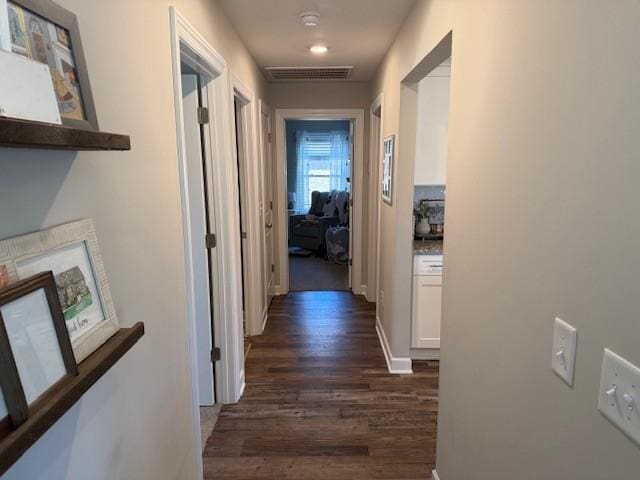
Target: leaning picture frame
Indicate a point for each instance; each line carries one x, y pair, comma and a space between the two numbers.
43, 31
35, 349
72, 252
387, 169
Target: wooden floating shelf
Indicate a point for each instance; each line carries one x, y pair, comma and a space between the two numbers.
26, 134
18, 441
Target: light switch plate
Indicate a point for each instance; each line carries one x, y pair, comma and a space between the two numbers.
619, 398
563, 359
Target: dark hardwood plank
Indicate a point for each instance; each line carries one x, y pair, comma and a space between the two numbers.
320, 403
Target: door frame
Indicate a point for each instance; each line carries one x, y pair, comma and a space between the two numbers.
356, 115
227, 325
376, 140
263, 108
250, 178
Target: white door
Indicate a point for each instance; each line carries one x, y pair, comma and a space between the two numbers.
197, 230
351, 216
267, 206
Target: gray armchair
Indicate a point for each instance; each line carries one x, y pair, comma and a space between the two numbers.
310, 233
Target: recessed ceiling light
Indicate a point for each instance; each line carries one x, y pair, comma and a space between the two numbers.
318, 49
310, 19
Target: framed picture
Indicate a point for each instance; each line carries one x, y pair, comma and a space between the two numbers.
45, 32
5, 37
35, 349
71, 252
387, 169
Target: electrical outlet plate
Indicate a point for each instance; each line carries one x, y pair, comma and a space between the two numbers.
619, 398
563, 359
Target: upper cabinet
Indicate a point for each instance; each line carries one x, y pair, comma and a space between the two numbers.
432, 127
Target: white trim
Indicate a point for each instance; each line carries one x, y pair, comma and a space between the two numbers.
265, 316
227, 331
267, 212
240, 90
242, 383
373, 272
253, 259
425, 353
395, 365
357, 116
434, 475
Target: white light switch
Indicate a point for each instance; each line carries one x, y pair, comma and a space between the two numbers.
563, 359
619, 398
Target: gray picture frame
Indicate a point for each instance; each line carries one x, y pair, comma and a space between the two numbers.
68, 20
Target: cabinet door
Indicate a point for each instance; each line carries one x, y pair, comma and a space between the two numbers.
427, 305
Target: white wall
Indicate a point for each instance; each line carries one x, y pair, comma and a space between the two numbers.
319, 95
432, 128
134, 423
542, 220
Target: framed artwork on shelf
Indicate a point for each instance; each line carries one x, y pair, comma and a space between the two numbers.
44, 32
72, 253
35, 348
387, 169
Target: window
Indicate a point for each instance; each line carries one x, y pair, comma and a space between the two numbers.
323, 165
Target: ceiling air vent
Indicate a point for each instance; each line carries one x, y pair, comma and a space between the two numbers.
308, 73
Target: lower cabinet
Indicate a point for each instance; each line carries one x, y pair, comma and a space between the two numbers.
427, 303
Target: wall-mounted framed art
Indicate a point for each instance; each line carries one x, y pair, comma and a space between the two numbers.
71, 251
35, 349
44, 32
387, 169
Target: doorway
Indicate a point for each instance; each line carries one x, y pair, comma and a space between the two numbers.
267, 213
239, 103
318, 201
201, 224
375, 175
212, 318
319, 185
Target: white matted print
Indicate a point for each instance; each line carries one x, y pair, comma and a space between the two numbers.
5, 44
387, 169
76, 284
71, 251
34, 343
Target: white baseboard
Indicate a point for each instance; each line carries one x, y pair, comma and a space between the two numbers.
265, 315
434, 475
242, 385
276, 290
394, 364
363, 290
425, 353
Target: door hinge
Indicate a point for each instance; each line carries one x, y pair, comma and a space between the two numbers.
243, 235
269, 137
273, 267
351, 262
215, 355
210, 240
271, 205
203, 115
351, 202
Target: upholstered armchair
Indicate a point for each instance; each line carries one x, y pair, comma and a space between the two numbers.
308, 231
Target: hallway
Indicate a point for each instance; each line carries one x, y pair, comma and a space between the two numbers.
320, 404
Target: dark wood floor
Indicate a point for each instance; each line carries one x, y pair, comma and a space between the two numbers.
320, 403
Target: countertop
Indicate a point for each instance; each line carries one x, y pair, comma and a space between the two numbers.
427, 247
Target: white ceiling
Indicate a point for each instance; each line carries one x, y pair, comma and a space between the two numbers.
357, 32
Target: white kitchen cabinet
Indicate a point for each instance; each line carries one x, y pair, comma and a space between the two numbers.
427, 302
